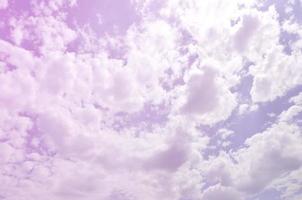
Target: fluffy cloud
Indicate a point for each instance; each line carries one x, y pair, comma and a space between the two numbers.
218, 192
292, 112
151, 108
270, 154
247, 29
279, 66
264, 163
3, 4
206, 98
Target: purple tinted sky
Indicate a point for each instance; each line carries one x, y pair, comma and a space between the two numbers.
149, 99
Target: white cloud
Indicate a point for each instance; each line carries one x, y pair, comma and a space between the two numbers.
202, 93
264, 163
61, 110
296, 99
246, 108
50, 32
268, 155
16, 56
293, 111
173, 156
289, 185
272, 66
6, 153
271, 75
225, 133
3, 4
219, 192
248, 28
22, 82
289, 114
205, 97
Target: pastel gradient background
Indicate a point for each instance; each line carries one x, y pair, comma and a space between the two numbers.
150, 99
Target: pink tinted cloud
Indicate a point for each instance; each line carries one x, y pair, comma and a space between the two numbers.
126, 100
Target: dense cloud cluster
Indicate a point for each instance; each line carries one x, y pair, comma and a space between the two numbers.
149, 100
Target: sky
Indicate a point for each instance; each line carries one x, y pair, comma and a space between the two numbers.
151, 99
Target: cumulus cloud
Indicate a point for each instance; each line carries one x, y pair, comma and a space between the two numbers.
245, 32
293, 111
153, 107
3, 4
219, 192
206, 97
268, 88
270, 154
